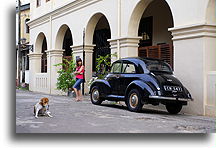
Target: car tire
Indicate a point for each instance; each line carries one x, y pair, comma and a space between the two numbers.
173, 108
95, 96
133, 101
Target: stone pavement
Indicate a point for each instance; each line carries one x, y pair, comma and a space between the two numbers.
84, 117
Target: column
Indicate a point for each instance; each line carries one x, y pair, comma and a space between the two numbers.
125, 47
34, 67
194, 57
78, 52
54, 57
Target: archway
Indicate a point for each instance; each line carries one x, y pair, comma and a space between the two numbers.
98, 32
41, 47
101, 35
44, 56
64, 41
151, 21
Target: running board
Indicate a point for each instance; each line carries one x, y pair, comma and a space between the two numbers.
116, 97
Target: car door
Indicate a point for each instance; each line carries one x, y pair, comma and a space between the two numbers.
113, 77
127, 76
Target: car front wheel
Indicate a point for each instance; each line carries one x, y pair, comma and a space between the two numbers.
133, 101
95, 96
173, 108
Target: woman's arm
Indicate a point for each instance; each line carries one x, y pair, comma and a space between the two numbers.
80, 70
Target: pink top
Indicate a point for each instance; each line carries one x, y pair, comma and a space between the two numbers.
80, 76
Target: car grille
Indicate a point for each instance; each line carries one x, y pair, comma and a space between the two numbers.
173, 88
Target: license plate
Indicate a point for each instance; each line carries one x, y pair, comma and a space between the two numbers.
173, 88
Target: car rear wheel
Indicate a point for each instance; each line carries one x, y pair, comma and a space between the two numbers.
95, 96
173, 108
133, 101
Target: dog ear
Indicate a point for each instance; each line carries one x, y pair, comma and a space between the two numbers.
42, 100
47, 99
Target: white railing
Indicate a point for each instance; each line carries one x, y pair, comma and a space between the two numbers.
41, 82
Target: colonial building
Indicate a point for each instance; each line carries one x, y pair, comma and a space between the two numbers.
180, 32
24, 42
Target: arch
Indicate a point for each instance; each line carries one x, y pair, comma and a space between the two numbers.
211, 13
39, 42
137, 15
91, 25
61, 35
44, 56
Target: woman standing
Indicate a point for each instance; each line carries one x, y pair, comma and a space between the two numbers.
79, 79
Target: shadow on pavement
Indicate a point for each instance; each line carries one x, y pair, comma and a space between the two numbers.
144, 110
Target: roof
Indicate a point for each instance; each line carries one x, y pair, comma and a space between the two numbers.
23, 7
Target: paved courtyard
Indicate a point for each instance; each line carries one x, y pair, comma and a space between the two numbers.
84, 117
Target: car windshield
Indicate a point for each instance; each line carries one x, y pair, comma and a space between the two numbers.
158, 66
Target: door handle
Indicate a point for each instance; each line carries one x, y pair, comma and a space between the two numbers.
115, 76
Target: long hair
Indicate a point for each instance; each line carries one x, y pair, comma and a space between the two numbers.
77, 62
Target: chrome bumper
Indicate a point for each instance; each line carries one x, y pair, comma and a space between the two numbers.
170, 98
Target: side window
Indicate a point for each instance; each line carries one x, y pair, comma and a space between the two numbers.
26, 25
129, 68
116, 68
38, 3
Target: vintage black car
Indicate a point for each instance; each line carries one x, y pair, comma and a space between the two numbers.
139, 81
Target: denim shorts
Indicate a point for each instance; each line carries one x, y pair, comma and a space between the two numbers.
77, 84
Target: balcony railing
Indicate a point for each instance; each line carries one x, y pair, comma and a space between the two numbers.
41, 82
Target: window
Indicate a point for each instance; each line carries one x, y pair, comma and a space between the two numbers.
116, 68
129, 68
146, 31
38, 3
157, 66
26, 25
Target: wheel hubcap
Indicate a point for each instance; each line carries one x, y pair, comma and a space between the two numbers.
133, 100
95, 95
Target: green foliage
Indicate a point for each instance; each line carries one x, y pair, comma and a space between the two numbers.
103, 65
66, 78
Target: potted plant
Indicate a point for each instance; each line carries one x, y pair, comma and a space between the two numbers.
66, 78
102, 67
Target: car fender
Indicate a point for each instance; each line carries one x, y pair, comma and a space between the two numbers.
145, 88
103, 86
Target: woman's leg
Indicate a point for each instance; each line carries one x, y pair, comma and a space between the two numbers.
77, 94
80, 95
77, 89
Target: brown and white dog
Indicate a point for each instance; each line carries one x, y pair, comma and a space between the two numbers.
42, 108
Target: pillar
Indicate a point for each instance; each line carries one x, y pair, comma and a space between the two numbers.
34, 67
194, 57
78, 52
54, 57
125, 47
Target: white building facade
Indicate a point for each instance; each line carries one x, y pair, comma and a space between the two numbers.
184, 30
